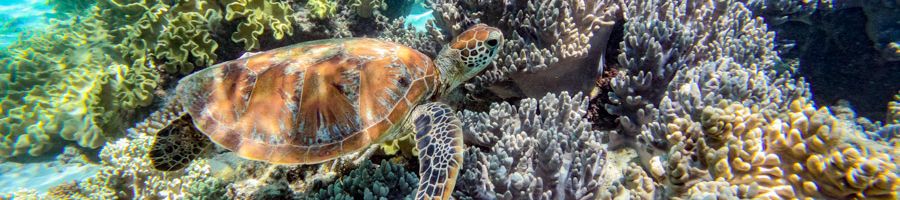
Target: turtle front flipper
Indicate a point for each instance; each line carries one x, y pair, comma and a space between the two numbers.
177, 145
440, 142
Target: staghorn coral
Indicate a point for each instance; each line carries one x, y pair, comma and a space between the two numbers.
258, 16
545, 40
538, 150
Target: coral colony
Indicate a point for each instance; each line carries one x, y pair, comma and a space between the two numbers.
588, 99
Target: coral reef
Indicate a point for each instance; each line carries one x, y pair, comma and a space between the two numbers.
541, 149
68, 8
690, 98
65, 84
802, 153
128, 174
545, 40
677, 63
893, 111
321, 9
842, 48
259, 16
386, 181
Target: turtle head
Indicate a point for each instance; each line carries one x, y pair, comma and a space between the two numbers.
468, 54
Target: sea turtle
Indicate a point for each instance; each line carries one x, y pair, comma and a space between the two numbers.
315, 101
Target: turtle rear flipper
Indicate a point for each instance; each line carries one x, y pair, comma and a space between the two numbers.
176, 145
440, 142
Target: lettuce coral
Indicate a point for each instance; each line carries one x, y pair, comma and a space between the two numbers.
321, 9
257, 17
188, 30
66, 84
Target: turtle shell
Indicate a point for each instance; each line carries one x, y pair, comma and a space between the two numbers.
309, 102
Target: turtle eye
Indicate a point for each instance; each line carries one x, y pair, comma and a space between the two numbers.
492, 42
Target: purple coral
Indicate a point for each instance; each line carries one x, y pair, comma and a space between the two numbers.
538, 150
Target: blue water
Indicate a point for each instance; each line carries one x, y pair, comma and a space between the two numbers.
418, 17
17, 16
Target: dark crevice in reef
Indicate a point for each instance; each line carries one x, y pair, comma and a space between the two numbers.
840, 62
598, 116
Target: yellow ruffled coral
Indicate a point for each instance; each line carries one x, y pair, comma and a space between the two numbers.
806, 153
66, 84
893, 113
186, 41
321, 9
178, 34
257, 17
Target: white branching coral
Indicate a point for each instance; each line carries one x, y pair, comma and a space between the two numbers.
127, 174
538, 150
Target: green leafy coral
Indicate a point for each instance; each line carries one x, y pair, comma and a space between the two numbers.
258, 16
76, 80
321, 9
66, 83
